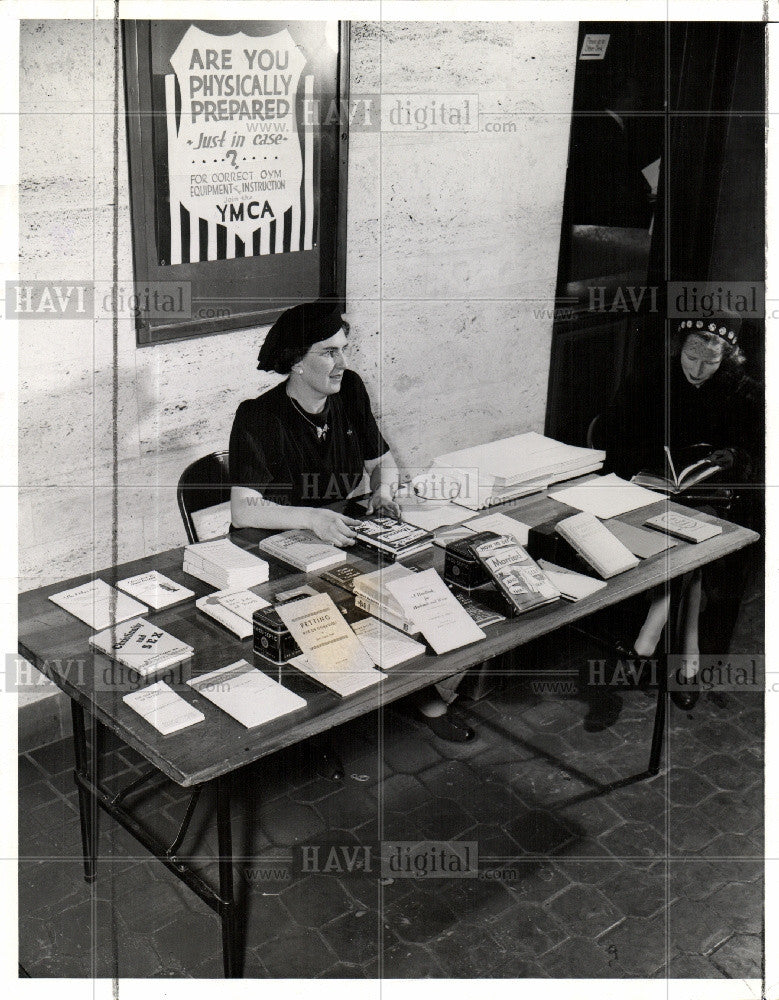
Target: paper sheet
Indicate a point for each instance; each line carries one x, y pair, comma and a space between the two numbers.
607, 496
501, 524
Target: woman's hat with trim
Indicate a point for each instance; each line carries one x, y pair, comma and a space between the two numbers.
297, 329
710, 328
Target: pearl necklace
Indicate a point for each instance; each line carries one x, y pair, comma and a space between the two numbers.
321, 431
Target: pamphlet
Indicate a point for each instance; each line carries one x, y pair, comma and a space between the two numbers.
443, 621
247, 694
162, 708
154, 589
386, 646
323, 635
98, 604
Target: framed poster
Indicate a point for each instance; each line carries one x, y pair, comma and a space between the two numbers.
237, 138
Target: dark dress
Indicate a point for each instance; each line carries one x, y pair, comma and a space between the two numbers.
274, 449
723, 412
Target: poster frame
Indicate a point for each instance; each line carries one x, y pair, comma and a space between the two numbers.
206, 279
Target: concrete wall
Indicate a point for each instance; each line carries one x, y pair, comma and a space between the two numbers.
452, 248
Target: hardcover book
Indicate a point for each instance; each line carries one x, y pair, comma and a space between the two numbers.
395, 539
596, 544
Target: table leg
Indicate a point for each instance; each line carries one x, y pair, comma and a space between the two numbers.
230, 938
659, 727
87, 807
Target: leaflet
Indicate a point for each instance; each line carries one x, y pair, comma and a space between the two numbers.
249, 695
386, 646
606, 496
98, 604
438, 614
323, 635
501, 524
154, 589
162, 708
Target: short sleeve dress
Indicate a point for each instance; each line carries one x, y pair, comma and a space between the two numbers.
279, 451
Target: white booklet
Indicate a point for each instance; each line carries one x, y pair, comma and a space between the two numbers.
324, 636
247, 694
162, 708
233, 609
154, 589
343, 682
572, 585
98, 604
606, 496
386, 646
141, 646
440, 617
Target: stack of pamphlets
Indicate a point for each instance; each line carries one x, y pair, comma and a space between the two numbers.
371, 594
224, 565
303, 550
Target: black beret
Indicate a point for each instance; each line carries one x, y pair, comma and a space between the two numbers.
297, 329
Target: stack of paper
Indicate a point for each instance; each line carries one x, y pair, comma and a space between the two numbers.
513, 467
224, 565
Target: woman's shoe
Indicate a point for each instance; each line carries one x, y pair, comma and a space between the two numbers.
448, 728
685, 700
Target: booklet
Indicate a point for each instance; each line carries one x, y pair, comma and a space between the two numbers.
233, 609
162, 708
324, 637
154, 589
385, 645
98, 604
141, 646
247, 694
341, 682
689, 529
572, 585
443, 621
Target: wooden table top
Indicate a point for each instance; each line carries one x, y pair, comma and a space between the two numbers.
56, 643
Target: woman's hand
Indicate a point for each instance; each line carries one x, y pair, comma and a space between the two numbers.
383, 502
337, 529
725, 458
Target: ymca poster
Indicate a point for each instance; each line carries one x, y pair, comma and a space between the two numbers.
241, 148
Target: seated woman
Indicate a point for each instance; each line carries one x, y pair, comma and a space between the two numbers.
306, 444
702, 398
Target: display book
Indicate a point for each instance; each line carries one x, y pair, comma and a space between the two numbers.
234, 609
693, 465
224, 565
581, 542
518, 578
391, 538
141, 646
302, 549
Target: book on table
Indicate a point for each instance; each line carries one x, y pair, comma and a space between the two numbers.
572, 585
303, 550
681, 472
98, 605
154, 589
518, 577
224, 565
250, 696
392, 538
372, 594
689, 529
141, 646
596, 544
233, 609
163, 708
386, 646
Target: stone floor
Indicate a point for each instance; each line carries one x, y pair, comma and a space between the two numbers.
577, 877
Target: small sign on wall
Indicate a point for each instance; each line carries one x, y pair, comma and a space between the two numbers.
594, 46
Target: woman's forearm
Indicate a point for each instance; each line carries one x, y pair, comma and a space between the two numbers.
384, 473
250, 509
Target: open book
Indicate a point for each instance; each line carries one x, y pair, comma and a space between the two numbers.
692, 466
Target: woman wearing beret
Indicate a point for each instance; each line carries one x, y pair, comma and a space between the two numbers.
702, 398
306, 444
